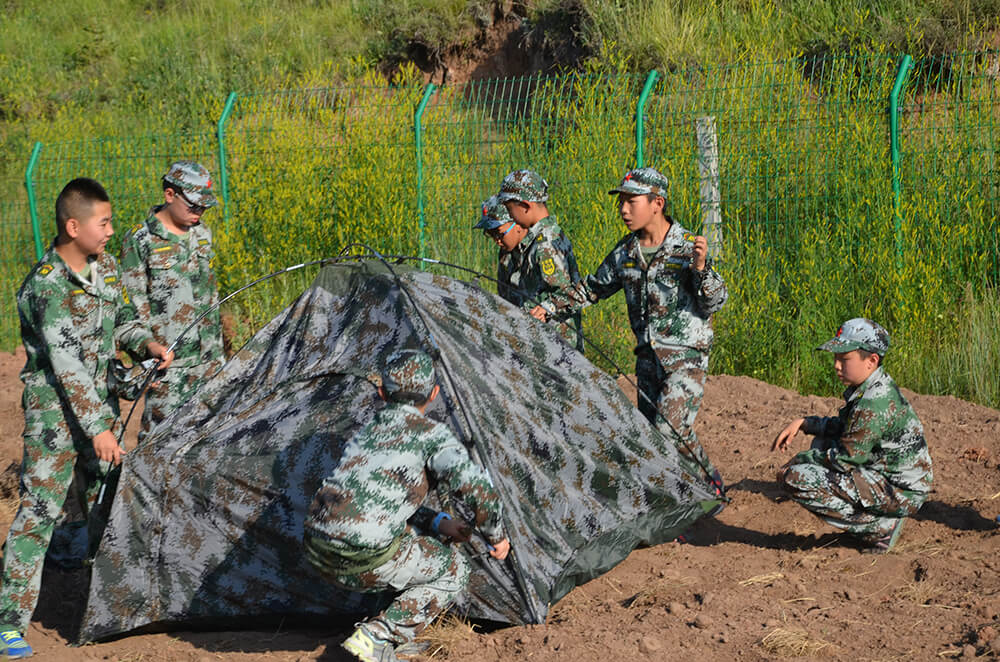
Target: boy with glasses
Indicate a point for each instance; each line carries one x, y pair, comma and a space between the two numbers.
167, 268
536, 257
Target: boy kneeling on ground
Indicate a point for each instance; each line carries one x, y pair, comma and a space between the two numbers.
868, 467
358, 532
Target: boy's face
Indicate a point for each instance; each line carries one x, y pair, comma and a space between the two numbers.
852, 369
507, 236
92, 233
183, 214
638, 211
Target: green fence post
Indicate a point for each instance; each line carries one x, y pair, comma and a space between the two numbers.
220, 133
418, 116
32, 205
640, 123
904, 69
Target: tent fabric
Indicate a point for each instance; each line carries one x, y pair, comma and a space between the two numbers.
207, 521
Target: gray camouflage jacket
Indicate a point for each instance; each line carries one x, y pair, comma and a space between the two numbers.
171, 281
877, 429
382, 481
70, 328
669, 304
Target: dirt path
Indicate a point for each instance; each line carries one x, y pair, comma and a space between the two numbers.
762, 580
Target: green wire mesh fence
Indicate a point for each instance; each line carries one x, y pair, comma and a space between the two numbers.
787, 166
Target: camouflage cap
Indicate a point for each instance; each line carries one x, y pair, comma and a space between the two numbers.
408, 375
642, 181
524, 186
858, 333
493, 215
194, 181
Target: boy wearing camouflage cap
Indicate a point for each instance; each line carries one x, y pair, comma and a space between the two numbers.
360, 529
75, 313
868, 467
167, 267
671, 291
541, 261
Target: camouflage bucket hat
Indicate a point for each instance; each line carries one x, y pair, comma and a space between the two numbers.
524, 186
408, 375
642, 181
493, 215
194, 181
858, 333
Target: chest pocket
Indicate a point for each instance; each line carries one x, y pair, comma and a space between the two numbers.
163, 258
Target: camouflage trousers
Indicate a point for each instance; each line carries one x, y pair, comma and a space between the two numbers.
48, 466
429, 575
861, 502
176, 388
673, 382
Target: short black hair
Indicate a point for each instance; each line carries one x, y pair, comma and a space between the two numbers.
864, 354
76, 200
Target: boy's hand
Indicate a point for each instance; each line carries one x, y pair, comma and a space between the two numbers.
539, 314
454, 530
107, 449
699, 255
785, 436
161, 352
500, 550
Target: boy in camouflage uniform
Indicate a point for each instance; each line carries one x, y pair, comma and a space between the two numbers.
73, 310
167, 268
358, 532
671, 291
537, 258
868, 467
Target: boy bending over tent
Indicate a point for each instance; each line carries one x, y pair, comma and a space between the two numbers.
359, 532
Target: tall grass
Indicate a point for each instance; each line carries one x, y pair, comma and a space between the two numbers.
811, 233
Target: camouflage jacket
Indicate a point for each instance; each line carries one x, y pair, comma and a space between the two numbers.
171, 281
877, 429
70, 327
382, 480
669, 304
541, 264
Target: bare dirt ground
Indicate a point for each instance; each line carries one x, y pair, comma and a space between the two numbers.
764, 580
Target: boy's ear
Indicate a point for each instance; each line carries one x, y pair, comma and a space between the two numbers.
72, 227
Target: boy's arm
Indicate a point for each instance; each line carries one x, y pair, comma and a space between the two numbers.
823, 426
132, 264
599, 285
54, 325
709, 289
554, 269
458, 476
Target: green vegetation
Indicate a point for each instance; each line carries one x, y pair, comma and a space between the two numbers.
798, 90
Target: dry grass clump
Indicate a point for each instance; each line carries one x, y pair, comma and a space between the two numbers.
920, 593
659, 592
445, 633
792, 643
769, 578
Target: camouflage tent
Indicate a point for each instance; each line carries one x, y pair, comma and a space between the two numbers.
207, 522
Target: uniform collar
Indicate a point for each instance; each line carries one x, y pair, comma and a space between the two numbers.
855, 392
52, 257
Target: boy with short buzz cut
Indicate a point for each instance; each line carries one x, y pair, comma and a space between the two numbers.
360, 531
541, 261
167, 268
671, 291
74, 310
868, 467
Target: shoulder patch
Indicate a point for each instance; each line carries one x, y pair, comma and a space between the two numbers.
77, 291
539, 238
548, 266
689, 237
163, 248
45, 269
128, 302
111, 279
629, 265
203, 242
